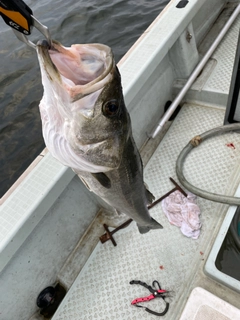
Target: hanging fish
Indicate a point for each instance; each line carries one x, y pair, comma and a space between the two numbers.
87, 127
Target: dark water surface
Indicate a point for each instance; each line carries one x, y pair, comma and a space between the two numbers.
228, 258
117, 23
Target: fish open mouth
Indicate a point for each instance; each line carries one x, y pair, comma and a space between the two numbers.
81, 68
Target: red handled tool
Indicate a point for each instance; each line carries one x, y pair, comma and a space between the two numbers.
155, 293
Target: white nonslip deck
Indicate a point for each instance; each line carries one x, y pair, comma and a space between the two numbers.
102, 290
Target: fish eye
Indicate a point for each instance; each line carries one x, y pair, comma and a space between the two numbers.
110, 108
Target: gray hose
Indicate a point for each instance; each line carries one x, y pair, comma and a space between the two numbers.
205, 194
194, 143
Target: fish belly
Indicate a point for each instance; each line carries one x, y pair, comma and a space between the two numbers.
124, 189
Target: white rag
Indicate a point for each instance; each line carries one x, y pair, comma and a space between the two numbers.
183, 212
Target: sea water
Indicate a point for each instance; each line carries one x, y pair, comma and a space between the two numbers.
116, 23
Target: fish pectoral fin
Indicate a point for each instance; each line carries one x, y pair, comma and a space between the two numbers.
102, 179
150, 196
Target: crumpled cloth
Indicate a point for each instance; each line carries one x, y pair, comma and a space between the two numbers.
183, 212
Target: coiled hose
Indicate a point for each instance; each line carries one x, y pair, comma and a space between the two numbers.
200, 192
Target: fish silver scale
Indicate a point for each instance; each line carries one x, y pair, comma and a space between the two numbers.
88, 128
127, 193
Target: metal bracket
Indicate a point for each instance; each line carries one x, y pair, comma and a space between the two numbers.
108, 235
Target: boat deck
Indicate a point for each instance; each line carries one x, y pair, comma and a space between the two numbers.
102, 289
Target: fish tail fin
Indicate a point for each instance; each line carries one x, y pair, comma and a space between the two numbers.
154, 225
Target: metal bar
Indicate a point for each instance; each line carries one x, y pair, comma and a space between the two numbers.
177, 187
108, 235
195, 73
163, 197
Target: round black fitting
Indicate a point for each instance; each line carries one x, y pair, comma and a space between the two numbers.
46, 297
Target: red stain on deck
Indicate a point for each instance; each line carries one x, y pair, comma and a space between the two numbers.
201, 253
231, 145
161, 267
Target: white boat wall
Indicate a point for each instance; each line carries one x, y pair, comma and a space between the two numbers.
49, 222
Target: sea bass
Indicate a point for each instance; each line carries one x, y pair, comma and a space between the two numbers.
87, 127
